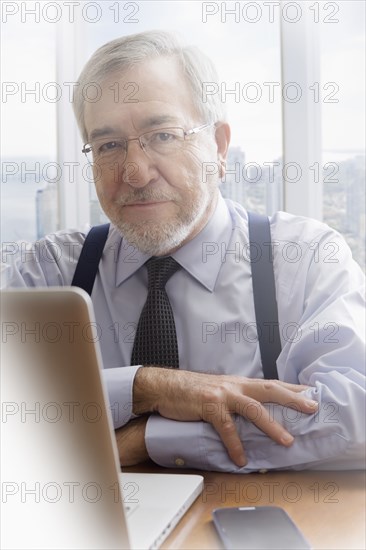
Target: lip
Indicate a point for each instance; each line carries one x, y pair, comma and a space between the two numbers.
145, 204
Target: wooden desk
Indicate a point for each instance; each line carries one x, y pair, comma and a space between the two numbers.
328, 507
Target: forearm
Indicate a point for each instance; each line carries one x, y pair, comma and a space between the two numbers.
147, 388
190, 396
131, 442
332, 438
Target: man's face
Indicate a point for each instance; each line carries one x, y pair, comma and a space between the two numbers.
161, 201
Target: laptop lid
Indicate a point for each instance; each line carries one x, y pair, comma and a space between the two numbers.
61, 481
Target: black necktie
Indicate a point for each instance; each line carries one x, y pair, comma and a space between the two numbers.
156, 339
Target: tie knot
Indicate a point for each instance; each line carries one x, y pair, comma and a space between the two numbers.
160, 270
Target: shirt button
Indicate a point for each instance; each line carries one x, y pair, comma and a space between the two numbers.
263, 471
179, 462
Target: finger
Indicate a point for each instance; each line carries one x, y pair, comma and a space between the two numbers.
255, 412
271, 392
252, 384
225, 427
288, 398
293, 387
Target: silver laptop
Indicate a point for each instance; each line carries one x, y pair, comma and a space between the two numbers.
61, 481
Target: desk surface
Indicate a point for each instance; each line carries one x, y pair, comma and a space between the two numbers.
328, 507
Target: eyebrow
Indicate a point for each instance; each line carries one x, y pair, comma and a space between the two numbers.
155, 120
100, 132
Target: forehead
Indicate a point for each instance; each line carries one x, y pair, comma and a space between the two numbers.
153, 93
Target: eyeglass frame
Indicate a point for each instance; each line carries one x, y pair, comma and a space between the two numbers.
186, 133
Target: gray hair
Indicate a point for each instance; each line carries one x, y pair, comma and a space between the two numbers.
123, 53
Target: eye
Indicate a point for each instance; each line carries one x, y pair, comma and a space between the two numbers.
110, 146
164, 136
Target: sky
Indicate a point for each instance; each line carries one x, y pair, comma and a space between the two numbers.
243, 50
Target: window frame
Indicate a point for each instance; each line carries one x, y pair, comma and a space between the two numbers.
300, 63
73, 192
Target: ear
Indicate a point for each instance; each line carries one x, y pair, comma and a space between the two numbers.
222, 136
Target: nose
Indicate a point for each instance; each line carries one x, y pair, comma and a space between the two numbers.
139, 169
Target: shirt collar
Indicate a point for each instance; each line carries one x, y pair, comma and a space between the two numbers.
201, 256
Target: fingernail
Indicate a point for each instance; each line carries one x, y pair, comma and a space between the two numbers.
242, 461
312, 404
287, 438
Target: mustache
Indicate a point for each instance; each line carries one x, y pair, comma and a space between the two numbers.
145, 195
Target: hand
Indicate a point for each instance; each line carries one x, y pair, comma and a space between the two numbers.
131, 442
190, 396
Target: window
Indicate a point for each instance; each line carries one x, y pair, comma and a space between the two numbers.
342, 57
28, 188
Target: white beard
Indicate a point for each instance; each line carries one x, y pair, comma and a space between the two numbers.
159, 238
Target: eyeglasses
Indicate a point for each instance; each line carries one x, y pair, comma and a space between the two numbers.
163, 141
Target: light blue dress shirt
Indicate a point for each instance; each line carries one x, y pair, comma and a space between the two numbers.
321, 313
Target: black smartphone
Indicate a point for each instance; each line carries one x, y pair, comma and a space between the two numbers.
258, 527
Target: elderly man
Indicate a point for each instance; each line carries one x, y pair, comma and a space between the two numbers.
174, 288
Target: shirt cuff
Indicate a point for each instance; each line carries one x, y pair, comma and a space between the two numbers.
164, 437
119, 384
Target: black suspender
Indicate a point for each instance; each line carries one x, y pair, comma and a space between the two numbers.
91, 253
265, 303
